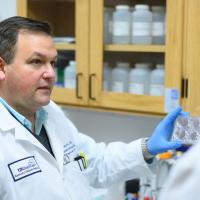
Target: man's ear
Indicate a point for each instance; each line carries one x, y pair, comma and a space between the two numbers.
2, 69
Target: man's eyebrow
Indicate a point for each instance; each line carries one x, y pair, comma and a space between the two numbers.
41, 55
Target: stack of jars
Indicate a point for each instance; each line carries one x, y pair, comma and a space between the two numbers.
139, 80
139, 25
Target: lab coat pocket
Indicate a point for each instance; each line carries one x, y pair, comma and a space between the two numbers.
77, 183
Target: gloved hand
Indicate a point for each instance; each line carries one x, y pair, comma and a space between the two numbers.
160, 140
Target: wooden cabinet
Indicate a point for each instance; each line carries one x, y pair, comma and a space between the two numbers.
191, 57
83, 19
170, 53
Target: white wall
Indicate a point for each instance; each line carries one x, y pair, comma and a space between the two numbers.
107, 127
7, 8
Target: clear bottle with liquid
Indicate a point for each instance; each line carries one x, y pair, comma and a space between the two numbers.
119, 75
70, 75
121, 25
158, 24
108, 25
139, 79
106, 76
157, 81
141, 25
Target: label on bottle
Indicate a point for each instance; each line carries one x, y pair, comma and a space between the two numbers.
121, 29
141, 29
171, 99
156, 90
136, 88
158, 29
117, 86
70, 83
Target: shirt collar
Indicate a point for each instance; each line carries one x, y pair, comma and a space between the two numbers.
41, 117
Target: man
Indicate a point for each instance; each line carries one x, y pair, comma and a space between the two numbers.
183, 180
42, 155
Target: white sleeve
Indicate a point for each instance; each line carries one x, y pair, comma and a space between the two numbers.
183, 181
117, 161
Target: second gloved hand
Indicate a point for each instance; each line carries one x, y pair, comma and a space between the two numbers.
160, 140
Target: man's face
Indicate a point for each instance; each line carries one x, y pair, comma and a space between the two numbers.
30, 77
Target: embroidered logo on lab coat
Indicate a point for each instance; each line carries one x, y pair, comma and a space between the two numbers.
23, 168
69, 152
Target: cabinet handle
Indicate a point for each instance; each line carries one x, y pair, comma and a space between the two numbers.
182, 87
186, 88
90, 86
77, 85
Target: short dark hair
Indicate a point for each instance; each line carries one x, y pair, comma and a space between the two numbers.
9, 29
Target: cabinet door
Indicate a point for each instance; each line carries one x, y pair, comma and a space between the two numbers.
191, 100
68, 18
170, 54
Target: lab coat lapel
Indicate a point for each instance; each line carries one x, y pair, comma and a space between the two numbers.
8, 123
21, 133
56, 144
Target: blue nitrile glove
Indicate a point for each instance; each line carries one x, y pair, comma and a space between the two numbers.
160, 140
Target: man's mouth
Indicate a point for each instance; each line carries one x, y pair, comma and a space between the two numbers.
44, 88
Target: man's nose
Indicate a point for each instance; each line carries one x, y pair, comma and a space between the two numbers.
49, 72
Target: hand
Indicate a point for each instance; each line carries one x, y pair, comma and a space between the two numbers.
160, 140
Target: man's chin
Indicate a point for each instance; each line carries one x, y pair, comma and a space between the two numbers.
44, 102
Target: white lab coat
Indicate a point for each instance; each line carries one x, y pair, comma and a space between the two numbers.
29, 171
184, 179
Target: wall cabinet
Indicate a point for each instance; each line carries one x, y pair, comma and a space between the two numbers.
170, 54
84, 20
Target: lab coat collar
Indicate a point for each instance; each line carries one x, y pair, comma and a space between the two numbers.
10, 124
6, 119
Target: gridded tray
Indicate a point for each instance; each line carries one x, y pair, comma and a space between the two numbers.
187, 129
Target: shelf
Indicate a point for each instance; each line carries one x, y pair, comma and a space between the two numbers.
131, 102
135, 48
65, 46
52, 0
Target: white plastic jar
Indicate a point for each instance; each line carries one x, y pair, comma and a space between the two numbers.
70, 75
119, 78
141, 25
106, 76
108, 25
121, 25
157, 81
158, 24
139, 79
